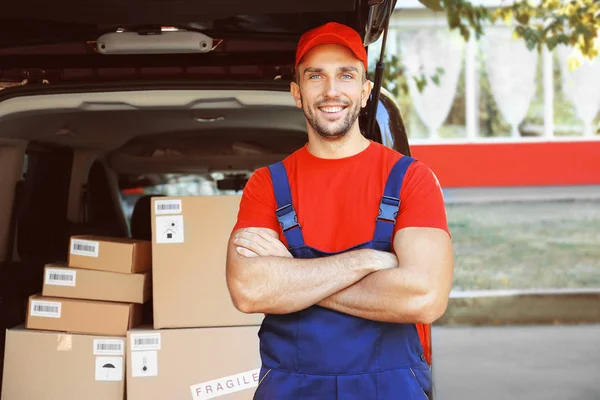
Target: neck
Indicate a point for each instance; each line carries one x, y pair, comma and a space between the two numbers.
349, 145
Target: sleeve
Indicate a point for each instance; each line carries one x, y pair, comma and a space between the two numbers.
257, 205
422, 200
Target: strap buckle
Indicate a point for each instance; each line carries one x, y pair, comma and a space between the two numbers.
388, 209
287, 217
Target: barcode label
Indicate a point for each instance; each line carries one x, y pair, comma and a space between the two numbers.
60, 277
84, 247
48, 309
145, 341
167, 206
108, 347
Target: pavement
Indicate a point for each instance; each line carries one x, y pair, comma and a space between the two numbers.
517, 362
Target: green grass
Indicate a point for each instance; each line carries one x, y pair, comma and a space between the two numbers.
526, 245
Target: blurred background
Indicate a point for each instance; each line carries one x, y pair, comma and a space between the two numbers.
513, 135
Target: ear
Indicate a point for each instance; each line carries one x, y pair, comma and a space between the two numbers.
366, 92
295, 90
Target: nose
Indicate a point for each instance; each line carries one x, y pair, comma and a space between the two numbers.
331, 89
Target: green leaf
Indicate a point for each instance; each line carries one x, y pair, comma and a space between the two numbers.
464, 31
404, 88
531, 44
522, 18
434, 5
520, 31
421, 82
453, 19
552, 43
563, 39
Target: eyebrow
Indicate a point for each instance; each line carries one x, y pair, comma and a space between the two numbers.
312, 70
340, 69
348, 69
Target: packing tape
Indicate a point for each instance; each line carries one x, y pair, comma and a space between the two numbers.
64, 342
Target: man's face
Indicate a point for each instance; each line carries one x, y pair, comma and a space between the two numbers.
331, 90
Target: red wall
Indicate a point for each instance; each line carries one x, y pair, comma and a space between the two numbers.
512, 164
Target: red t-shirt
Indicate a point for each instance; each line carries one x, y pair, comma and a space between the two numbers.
337, 200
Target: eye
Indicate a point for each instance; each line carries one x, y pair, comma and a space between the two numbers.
314, 76
347, 76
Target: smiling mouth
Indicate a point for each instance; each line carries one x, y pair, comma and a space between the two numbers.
332, 109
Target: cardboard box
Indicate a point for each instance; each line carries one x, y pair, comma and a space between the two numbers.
82, 316
77, 283
51, 365
184, 364
110, 254
189, 252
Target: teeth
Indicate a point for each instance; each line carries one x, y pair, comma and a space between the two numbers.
332, 109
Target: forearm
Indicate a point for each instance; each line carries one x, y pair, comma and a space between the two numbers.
389, 296
417, 291
279, 285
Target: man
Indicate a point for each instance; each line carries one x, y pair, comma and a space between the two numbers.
344, 246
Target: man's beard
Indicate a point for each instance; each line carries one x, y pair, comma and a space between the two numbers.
332, 130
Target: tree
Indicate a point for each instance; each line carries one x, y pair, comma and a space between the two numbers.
574, 23
549, 23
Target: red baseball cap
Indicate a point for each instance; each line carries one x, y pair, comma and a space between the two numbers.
332, 33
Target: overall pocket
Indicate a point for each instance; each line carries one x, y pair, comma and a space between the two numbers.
275, 384
403, 383
260, 382
418, 382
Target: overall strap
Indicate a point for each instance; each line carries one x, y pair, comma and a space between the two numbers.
390, 202
286, 214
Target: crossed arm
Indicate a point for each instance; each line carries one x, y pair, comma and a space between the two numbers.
410, 286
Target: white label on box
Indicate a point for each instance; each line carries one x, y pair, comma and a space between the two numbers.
48, 309
109, 369
60, 277
169, 229
88, 248
144, 364
108, 347
167, 207
145, 341
227, 385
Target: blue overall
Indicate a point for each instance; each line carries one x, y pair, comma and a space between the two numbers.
320, 354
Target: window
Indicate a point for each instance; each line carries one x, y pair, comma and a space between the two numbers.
135, 187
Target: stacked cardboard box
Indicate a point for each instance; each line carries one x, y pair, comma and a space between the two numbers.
88, 316
73, 340
200, 345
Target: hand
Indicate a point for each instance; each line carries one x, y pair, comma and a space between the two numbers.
377, 260
387, 260
257, 242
